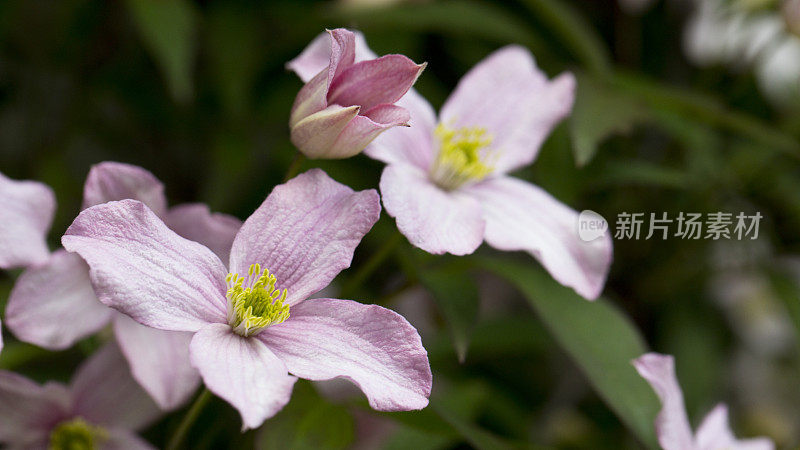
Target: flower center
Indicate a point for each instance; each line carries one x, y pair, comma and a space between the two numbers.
253, 302
461, 156
76, 434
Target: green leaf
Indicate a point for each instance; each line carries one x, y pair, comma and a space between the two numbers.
307, 422
168, 29
598, 337
456, 294
600, 112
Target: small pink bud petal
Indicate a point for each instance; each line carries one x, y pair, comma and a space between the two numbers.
370, 83
316, 134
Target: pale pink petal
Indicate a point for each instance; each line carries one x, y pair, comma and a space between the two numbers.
316, 134
26, 212
145, 270
432, 219
343, 52
29, 410
317, 55
672, 425
159, 361
196, 222
1, 336
53, 305
110, 181
122, 439
305, 232
521, 216
311, 99
715, 433
371, 83
366, 127
373, 347
408, 145
509, 96
105, 393
242, 371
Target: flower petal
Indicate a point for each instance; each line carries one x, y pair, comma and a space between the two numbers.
53, 305
408, 145
509, 96
28, 409
715, 433
672, 425
121, 439
243, 371
102, 384
145, 270
26, 212
316, 134
110, 181
317, 55
364, 128
159, 361
373, 347
196, 222
371, 83
521, 216
432, 219
305, 232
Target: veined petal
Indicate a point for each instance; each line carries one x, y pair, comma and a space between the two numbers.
110, 181
371, 83
145, 270
102, 384
316, 134
715, 433
408, 145
242, 371
317, 55
521, 216
366, 127
513, 100
26, 212
196, 222
54, 305
432, 219
672, 425
305, 232
373, 347
159, 361
28, 409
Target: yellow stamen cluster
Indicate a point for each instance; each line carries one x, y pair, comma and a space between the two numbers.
461, 156
76, 434
254, 303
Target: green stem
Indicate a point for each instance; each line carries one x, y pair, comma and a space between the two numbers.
188, 420
294, 167
372, 263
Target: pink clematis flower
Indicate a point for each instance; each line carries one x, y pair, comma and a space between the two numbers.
255, 325
347, 101
85, 414
53, 304
672, 425
447, 181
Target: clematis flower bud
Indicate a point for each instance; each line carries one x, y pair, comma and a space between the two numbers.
348, 103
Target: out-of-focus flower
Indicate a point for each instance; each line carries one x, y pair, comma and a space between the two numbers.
672, 424
255, 325
635, 6
101, 408
447, 183
53, 304
349, 95
791, 15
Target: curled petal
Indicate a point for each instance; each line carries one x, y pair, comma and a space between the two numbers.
110, 181
672, 425
317, 55
371, 346
54, 305
521, 216
243, 371
305, 232
26, 212
432, 219
197, 223
366, 127
159, 361
143, 269
316, 134
371, 83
